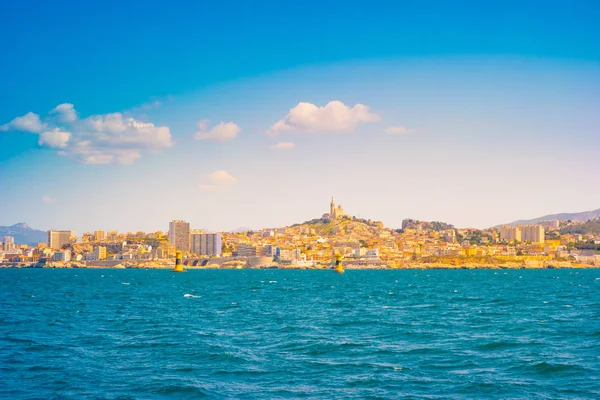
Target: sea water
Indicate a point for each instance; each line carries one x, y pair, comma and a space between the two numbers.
153, 334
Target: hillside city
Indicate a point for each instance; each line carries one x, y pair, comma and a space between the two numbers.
314, 244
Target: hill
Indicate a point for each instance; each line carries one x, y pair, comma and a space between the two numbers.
581, 216
23, 234
345, 225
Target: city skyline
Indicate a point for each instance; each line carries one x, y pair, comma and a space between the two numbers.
462, 130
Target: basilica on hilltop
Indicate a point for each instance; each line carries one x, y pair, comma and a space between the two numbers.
334, 212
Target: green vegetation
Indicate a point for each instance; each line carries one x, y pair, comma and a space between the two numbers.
592, 226
587, 246
431, 226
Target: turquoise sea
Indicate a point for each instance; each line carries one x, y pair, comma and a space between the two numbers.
152, 334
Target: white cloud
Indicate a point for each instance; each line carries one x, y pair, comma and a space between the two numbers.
98, 139
29, 122
283, 146
113, 138
335, 116
222, 132
218, 180
47, 199
66, 112
55, 139
397, 130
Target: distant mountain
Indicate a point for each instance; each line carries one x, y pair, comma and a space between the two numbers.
241, 229
582, 216
23, 234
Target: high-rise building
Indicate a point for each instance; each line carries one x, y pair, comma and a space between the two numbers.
206, 244
57, 239
99, 235
179, 235
510, 233
8, 243
532, 233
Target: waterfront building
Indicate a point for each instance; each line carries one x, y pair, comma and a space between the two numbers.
373, 253
100, 253
63, 256
179, 235
206, 244
58, 239
245, 250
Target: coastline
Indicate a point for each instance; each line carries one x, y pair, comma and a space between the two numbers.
404, 266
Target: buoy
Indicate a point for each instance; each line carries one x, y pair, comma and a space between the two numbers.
339, 268
178, 264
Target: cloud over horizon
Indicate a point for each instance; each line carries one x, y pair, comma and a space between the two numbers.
397, 130
283, 146
335, 116
97, 139
222, 132
219, 180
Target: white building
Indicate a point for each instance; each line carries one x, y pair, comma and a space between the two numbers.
373, 253
64, 256
8, 243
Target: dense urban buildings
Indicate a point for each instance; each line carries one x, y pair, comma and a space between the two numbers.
179, 235
316, 243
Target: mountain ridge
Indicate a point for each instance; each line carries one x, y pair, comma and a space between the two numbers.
578, 216
23, 233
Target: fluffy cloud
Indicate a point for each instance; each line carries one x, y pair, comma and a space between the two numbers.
47, 199
283, 146
29, 122
66, 112
98, 139
218, 180
335, 116
55, 139
397, 130
223, 132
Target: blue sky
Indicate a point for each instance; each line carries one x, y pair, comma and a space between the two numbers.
471, 114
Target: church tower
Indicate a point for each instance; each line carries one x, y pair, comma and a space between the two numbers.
332, 209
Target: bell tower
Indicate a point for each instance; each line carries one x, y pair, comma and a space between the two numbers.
332, 208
